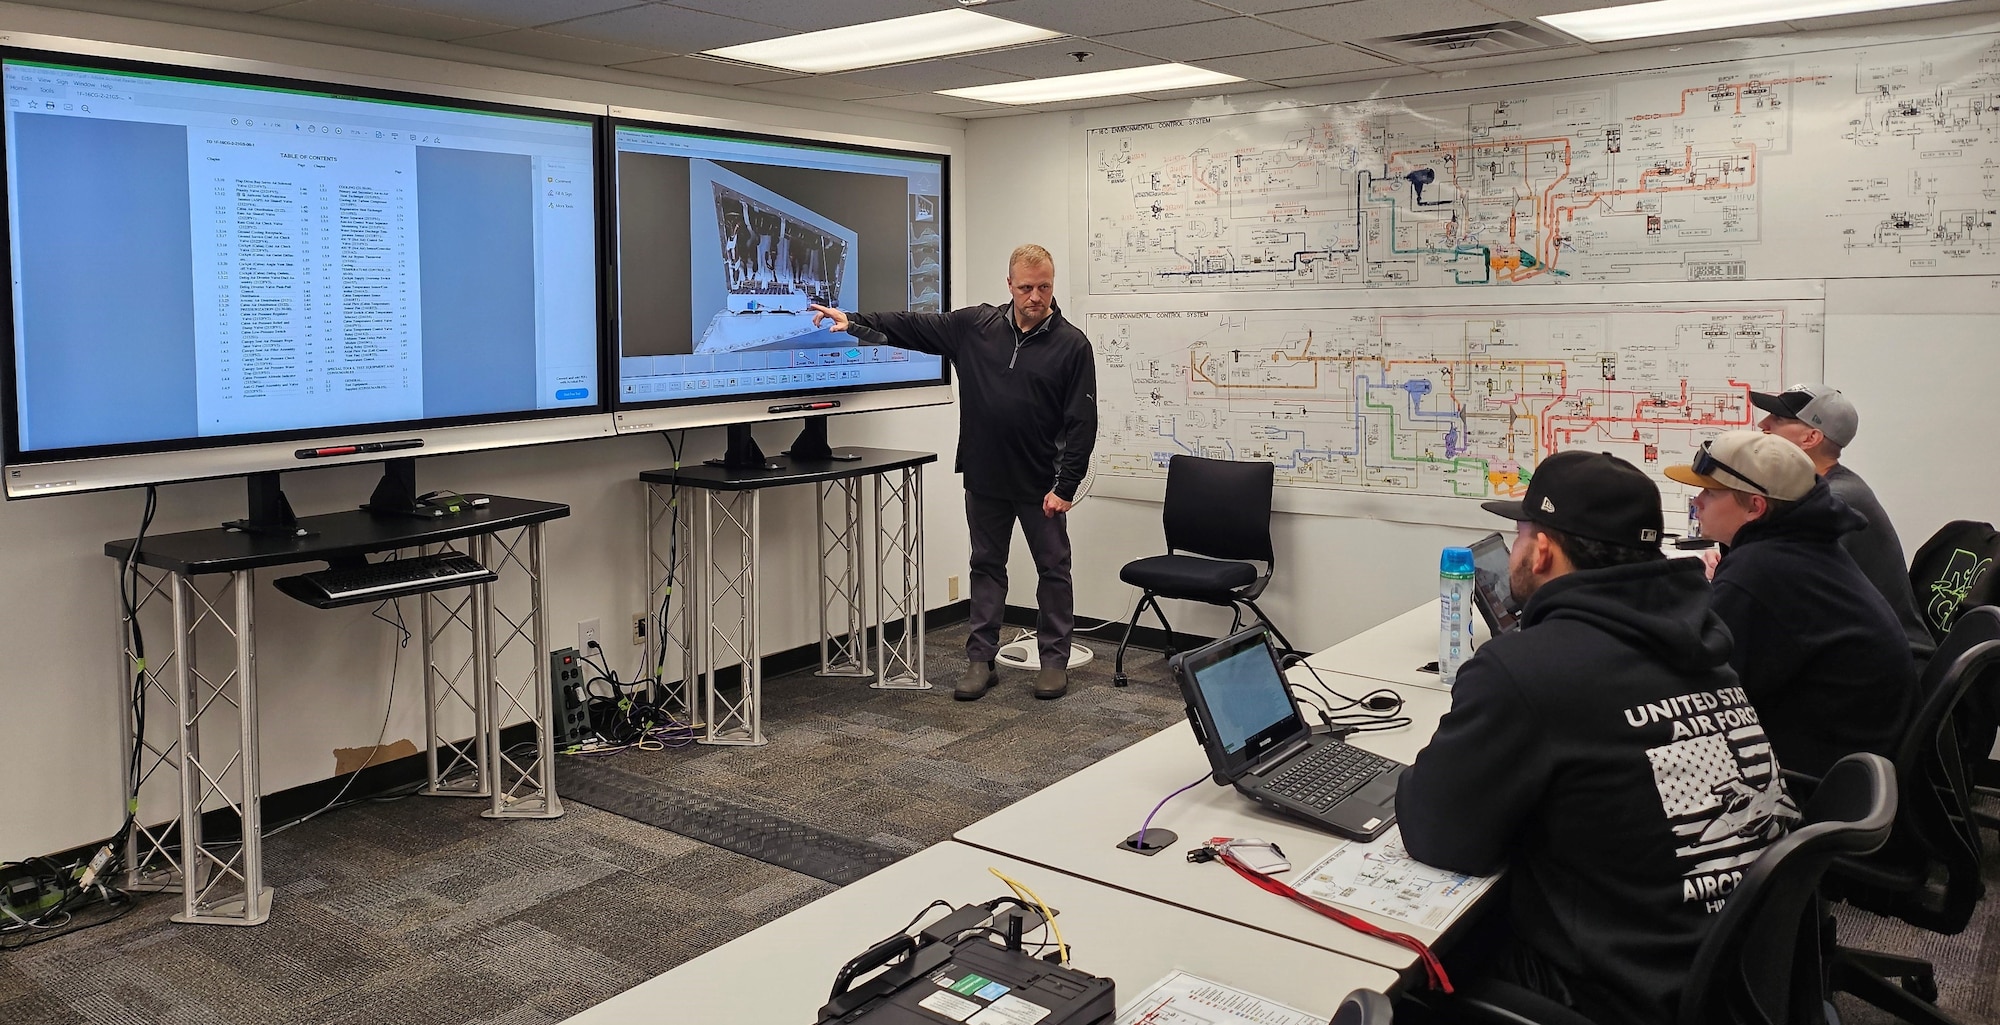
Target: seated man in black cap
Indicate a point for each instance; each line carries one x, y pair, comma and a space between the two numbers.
1822, 422
1817, 647
1604, 754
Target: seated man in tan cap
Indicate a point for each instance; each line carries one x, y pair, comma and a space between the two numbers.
1818, 649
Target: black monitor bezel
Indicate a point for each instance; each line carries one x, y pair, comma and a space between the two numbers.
613, 330
9, 413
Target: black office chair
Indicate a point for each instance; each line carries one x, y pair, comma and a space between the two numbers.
1929, 873
1363, 1007
1760, 963
1218, 520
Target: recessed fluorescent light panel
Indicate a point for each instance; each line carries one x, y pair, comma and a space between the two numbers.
1670, 17
1157, 78
896, 41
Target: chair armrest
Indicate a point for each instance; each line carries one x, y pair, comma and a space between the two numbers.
1487, 1002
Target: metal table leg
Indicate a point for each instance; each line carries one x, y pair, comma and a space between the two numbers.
737, 721
900, 573
449, 623
672, 584
843, 610
152, 853
513, 633
222, 880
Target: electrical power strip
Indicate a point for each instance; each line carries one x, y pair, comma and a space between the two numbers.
572, 699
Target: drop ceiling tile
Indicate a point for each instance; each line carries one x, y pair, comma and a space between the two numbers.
1325, 59
233, 5
827, 87
933, 103
1527, 10
812, 17
1370, 19
510, 13
1204, 91
395, 21
700, 69
1093, 17
1052, 59
667, 29
929, 76
1266, 6
556, 46
1393, 71
1208, 39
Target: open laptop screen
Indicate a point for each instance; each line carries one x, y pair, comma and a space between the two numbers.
1238, 701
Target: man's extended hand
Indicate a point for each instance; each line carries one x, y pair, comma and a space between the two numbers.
821, 313
1053, 506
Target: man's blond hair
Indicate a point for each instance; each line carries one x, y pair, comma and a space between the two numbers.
1032, 255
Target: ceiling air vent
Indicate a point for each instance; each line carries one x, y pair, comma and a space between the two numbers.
1462, 43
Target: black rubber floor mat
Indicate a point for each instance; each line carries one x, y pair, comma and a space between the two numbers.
733, 827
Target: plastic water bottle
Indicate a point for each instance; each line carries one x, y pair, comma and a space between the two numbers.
1454, 612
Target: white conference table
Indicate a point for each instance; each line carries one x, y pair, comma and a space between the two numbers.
1392, 652
1075, 825
784, 971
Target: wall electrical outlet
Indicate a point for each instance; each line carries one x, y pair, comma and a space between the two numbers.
588, 630
638, 628
951, 588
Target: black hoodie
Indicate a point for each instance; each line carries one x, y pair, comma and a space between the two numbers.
1027, 402
1817, 646
1607, 758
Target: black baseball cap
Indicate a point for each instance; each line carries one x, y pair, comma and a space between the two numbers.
1590, 494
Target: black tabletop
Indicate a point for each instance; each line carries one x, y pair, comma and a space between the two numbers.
335, 536
791, 471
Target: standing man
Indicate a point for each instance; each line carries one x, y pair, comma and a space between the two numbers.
1027, 389
1823, 422
1819, 651
1603, 754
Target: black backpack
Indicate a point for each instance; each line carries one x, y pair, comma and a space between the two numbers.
1953, 571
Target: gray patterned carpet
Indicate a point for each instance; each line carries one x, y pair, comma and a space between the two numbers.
419, 911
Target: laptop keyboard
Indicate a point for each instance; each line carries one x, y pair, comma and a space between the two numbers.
1331, 772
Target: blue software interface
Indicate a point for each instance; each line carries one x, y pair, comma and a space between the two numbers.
1245, 696
195, 259
724, 242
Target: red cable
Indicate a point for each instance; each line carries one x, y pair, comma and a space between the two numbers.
1432, 967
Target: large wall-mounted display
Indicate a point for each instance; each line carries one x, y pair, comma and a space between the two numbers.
724, 239
210, 270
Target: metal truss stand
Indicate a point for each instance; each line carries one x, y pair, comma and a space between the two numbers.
482, 652
702, 555
899, 515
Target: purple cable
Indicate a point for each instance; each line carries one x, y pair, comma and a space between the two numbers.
1139, 844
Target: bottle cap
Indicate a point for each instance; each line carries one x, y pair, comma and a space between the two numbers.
1456, 562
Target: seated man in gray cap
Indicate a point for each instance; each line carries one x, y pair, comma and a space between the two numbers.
1819, 650
1823, 422
1604, 754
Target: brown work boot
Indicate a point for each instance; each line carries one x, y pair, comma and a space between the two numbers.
979, 678
1052, 682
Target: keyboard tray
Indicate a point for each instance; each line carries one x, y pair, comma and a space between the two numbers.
335, 587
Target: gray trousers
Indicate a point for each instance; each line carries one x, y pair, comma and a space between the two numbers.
991, 521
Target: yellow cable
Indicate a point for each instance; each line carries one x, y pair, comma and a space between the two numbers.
1022, 891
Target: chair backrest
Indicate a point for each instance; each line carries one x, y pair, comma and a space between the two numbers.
1220, 508
1954, 571
1362, 1007
1760, 961
1934, 824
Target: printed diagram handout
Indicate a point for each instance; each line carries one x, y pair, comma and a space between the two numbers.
1183, 999
1381, 878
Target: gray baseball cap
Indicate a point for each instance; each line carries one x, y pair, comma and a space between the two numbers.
1816, 404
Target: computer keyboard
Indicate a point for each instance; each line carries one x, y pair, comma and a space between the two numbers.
1330, 773
374, 581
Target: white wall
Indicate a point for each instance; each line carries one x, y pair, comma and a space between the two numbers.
1920, 357
324, 675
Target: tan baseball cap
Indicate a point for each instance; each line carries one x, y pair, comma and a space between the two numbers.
1752, 462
